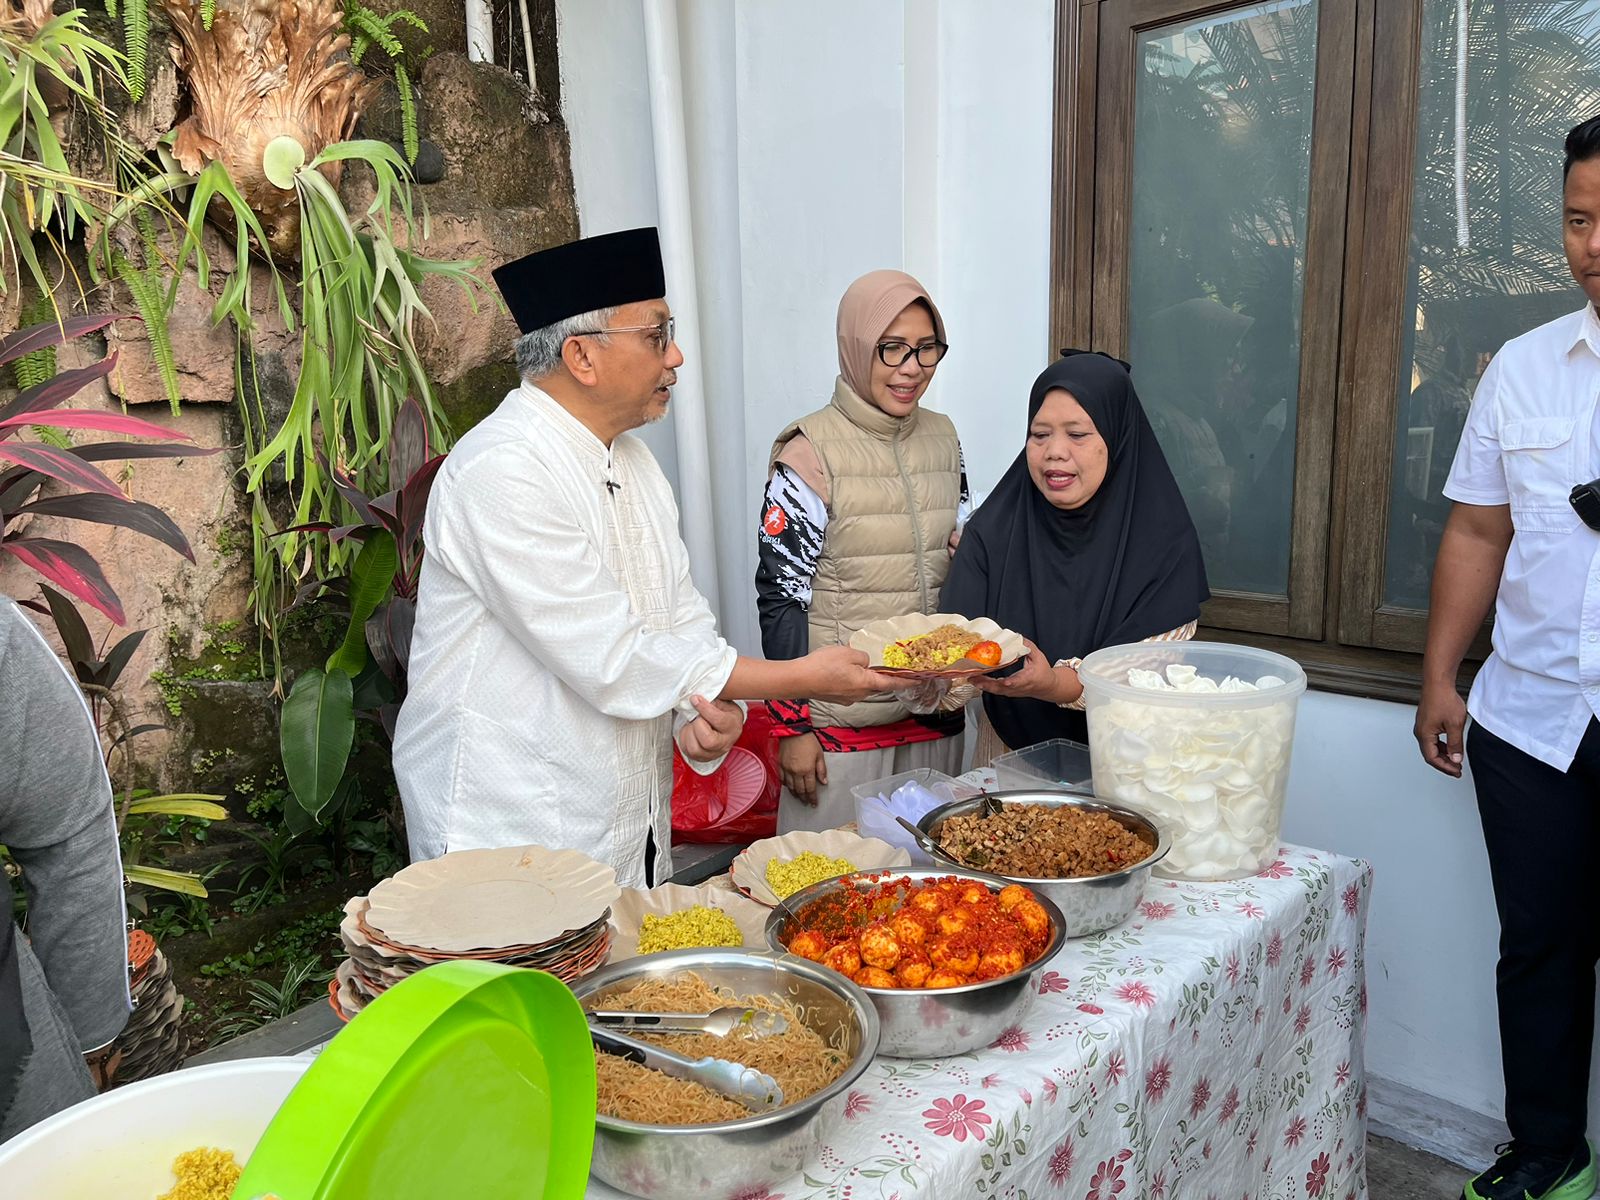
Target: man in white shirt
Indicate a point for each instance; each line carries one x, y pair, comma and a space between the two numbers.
560, 644
1515, 540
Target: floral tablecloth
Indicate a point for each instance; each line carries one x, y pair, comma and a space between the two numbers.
1208, 1049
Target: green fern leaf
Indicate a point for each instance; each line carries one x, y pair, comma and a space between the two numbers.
36, 367
136, 36
145, 288
111, 9
408, 111
208, 12
410, 18
359, 44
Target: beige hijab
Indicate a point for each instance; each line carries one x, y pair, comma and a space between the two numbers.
865, 311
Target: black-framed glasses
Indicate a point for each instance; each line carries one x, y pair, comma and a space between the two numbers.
661, 336
894, 354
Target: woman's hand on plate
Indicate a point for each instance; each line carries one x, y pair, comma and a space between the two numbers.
1034, 678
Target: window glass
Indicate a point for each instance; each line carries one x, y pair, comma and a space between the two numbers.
1486, 262
1221, 173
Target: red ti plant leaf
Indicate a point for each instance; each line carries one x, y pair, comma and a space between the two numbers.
43, 396
104, 510
408, 443
74, 633
71, 567
58, 464
80, 418
48, 333
100, 451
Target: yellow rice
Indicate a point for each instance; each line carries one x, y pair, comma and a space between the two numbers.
689, 929
204, 1174
931, 651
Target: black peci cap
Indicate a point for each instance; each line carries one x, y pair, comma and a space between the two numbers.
582, 276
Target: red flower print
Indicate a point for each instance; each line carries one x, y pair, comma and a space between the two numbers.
1199, 1097
1275, 949
857, 1103
1363, 999
1293, 1135
1053, 981
1341, 1074
1124, 1154
1091, 1009
1352, 900
1308, 972
1256, 1017
1027, 1096
1250, 1143
1302, 1020
1157, 910
1116, 1068
1361, 1104
1278, 870
1233, 970
1230, 1105
1158, 1185
957, 1118
1252, 910
1317, 1177
1137, 994
1205, 1151
1158, 1079
1049, 1087
1061, 1162
757, 1193
1107, 1181
1012, 1039
1336, 960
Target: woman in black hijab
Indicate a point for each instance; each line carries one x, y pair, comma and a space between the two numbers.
1086, 542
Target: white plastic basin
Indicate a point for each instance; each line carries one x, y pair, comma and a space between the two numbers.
121, 1145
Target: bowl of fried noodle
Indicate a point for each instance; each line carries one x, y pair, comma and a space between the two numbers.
668, 1139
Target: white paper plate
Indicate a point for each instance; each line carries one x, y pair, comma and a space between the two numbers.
628, 913
749, 869
871, 639
482, 899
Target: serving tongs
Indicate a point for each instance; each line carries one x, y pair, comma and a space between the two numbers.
720, 1022
754, 1089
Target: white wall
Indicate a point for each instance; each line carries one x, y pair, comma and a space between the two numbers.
834, 137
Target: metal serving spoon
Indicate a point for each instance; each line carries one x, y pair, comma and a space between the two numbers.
754, 1089
757, 1022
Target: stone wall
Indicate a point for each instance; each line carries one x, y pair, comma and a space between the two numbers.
505, 190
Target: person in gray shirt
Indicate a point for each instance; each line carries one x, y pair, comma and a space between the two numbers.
63, 987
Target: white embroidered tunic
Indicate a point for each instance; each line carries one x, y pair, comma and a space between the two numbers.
557, 634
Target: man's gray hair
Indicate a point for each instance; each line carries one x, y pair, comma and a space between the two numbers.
539, 352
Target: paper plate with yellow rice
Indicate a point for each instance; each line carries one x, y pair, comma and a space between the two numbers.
810, 854
924, 645
681, 918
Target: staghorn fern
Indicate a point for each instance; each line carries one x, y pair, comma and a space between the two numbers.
368, 29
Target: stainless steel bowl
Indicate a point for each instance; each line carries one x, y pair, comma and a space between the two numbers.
1090, 903
932, 1023
729, 1158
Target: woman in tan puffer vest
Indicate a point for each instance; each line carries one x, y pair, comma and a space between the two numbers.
856, 525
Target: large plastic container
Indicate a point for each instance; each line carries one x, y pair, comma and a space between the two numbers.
878, 804
122, 1143
1212, 765
1057, 763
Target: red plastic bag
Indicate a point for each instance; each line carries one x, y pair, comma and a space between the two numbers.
738, 802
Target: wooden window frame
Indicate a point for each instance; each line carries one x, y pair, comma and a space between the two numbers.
1334, 621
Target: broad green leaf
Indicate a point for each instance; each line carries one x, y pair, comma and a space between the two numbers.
370, 580
316, 732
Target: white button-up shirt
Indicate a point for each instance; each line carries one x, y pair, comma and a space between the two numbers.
558, 636
1530, 438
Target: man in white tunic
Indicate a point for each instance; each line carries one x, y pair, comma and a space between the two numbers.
560, 643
